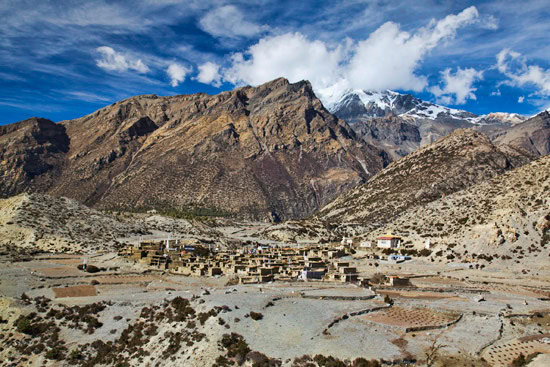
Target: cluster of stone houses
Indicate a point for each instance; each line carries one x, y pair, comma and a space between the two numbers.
250, 265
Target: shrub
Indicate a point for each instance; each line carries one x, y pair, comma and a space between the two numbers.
55, 353
521, 360
256, 316
235, 345
328, 361
89, 268
24, 326
203, 316
362, 362
424, 252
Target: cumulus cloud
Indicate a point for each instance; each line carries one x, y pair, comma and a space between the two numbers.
209, 73
457, 88
521, 99
177, 73
514, 66
228, 21
496, 93
291, 55
116, 61
388, 59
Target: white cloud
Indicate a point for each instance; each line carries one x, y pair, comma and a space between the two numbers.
209, 73
290, 55
514, 66
457, 87
177, 73
228, 21
496, 93
116, 61
489, 22
521, 99
388, 59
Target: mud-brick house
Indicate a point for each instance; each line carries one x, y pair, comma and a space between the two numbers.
388, 241
396, 281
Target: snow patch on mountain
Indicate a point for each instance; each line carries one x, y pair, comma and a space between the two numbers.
501, 117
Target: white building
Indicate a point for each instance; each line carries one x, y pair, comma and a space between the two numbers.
389, 241
347, 241
365, 244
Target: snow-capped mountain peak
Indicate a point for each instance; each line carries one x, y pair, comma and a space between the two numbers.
357, 104
354, 105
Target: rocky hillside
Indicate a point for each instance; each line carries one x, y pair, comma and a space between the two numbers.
451, 164
505, 216
42, 222
32, 152
532, 135
38, 222
271, 151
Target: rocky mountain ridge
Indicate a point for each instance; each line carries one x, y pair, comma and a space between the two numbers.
355, 105
370, 112
271, 151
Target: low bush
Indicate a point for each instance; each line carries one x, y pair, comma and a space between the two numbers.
256, 316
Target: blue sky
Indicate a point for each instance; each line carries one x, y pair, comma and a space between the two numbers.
64, 59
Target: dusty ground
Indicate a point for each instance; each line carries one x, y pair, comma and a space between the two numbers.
299, 318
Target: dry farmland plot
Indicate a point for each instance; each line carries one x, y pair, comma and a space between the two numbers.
59, 272
410, 319
422, 295
75, 291
120, 279
503, 354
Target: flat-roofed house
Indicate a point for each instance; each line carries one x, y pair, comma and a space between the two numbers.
388, 241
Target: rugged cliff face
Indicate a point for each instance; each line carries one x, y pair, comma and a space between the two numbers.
32, 153
391, 133
271, 151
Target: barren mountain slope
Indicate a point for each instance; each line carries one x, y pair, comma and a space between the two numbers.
451, 164
508, 215
31, 154
271, 151
532, 135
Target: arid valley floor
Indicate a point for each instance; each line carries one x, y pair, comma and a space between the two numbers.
131, 314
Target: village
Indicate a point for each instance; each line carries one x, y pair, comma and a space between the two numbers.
379, 298
261, 263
